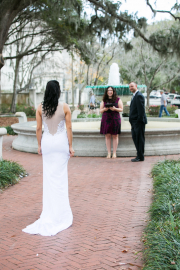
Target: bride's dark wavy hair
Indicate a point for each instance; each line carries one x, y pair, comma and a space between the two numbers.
51, 96
114, 96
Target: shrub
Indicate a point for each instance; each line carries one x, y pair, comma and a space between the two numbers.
10, 131
11, 172
81, 107
154, 110
126, 109
125, 114
29, 110
4, 108
82, 115
171, 109
94, 116
162, 235
72, 108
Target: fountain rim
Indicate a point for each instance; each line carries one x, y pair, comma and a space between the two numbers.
18, 128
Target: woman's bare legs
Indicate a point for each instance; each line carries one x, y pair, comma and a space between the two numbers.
108, 144
115, 144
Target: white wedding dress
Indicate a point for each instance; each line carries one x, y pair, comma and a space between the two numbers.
56, 213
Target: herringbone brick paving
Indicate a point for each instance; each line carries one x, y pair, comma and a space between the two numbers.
109, 200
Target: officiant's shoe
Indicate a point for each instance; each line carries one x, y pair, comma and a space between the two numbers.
114, 155
109, 155
136, 159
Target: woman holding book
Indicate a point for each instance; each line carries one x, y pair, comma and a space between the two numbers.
110, 108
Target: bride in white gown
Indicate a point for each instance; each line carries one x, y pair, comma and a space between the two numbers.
56, 147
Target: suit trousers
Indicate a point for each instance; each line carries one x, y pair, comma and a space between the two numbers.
138, 130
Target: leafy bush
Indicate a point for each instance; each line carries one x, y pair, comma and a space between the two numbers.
81, 107
29, 110
125, 114
171, 109
162, 235
82, 115
4, 108
94, 116
154, 110
11, 172
126, 110
10, 131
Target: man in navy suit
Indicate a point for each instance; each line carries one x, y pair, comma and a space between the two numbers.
138, 120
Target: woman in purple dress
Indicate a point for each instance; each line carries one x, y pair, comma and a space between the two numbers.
110, 107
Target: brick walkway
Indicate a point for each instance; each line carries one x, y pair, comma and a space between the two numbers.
109, 200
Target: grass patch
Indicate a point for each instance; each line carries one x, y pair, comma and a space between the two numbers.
163, 115
162, 235
10, 173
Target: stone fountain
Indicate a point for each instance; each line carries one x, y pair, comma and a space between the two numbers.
162, 138
162, 135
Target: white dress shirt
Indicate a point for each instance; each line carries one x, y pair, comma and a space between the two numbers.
134, 94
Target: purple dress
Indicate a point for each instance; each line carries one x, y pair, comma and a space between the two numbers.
111, 121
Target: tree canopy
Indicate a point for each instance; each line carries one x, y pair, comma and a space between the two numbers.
69, 25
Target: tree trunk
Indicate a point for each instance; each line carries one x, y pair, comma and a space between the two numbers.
148, 94
72, 84
5, 23
80, 92
0, 90
87, 76
13, 104
9, 9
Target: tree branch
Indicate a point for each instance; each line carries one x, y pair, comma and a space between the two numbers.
31, 73
144, 65
27, 36
162, 11
156, 71
169, 79
131, 22
34, 50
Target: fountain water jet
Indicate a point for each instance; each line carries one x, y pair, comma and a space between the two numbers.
114, 75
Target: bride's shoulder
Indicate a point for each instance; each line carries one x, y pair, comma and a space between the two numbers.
66, 107
39, 108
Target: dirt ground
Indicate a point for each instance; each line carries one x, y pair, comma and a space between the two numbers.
8, 121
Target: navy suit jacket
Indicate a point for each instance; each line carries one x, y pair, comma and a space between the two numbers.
137, 109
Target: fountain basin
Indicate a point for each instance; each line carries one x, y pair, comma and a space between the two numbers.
162, 138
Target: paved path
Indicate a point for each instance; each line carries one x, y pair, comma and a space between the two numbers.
109, 200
